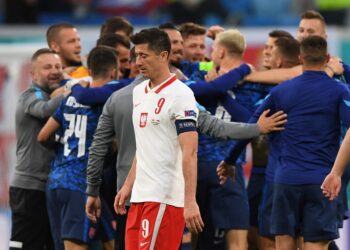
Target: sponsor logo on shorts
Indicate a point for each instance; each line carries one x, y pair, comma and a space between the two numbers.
143, 243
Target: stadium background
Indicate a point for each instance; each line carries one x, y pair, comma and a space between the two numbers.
18, 40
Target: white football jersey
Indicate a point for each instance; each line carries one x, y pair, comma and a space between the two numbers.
159, 176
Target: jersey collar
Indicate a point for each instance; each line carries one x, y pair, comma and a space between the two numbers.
163, 85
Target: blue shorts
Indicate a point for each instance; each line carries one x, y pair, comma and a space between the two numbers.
227, 204
303, 210
66, 209
265, 210
255, 189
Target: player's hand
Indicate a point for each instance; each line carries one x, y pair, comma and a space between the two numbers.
120, 200
193, 218
335, 65
93, 208
225, 171
271, 123
331, 186
211, 75
84, 83
214, 30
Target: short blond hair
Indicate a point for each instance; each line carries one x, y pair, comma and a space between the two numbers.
233, 41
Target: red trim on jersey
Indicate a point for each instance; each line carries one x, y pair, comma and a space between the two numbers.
164, 85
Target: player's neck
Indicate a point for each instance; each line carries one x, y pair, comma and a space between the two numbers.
99, 82
159, 78
228, 64
314, 67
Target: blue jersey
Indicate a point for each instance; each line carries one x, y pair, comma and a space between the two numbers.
78, 123
250, 95
316, 105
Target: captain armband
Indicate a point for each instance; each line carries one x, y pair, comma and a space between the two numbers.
183, 126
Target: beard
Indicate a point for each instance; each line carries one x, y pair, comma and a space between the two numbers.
73, 63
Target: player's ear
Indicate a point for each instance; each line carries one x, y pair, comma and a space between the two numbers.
114, 74
222, 53
164, 55
301, 60
279, 62
328, 58
55, 47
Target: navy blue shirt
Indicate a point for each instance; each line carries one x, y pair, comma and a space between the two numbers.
316, 105
78, 124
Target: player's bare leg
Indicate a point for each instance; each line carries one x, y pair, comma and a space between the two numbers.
253, 241
285, 242
70, 245
322, 245
108, 245
266, 243
237, 239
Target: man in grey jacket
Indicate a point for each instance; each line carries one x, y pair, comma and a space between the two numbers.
30, 224
116, 120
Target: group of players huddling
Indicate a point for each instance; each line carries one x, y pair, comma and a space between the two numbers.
147, 135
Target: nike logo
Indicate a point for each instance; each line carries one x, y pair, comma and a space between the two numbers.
217, 242
137, 104
143, 243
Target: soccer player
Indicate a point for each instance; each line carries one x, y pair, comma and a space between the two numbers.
284, 53
75, 124
308, 149
163, 176
122, 45
30, 222
193, 41
64, 39
118, 25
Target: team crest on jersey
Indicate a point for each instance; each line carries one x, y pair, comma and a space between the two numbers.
143, 120
191, 113
155, 121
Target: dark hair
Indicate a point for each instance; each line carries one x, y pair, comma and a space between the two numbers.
280, 33
101, 60
313, 50
156, 39
132, 55
289, 48
112, 40
312, 14
115, 24
167, 26
53, 30
188, 29
40, 52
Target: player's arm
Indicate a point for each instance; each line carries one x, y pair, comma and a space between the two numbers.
224, 168
209, 124
42, 109
124, 193
221, 84
102, 139
99, 95
188, 143
332, 183
48, 130
274, 75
